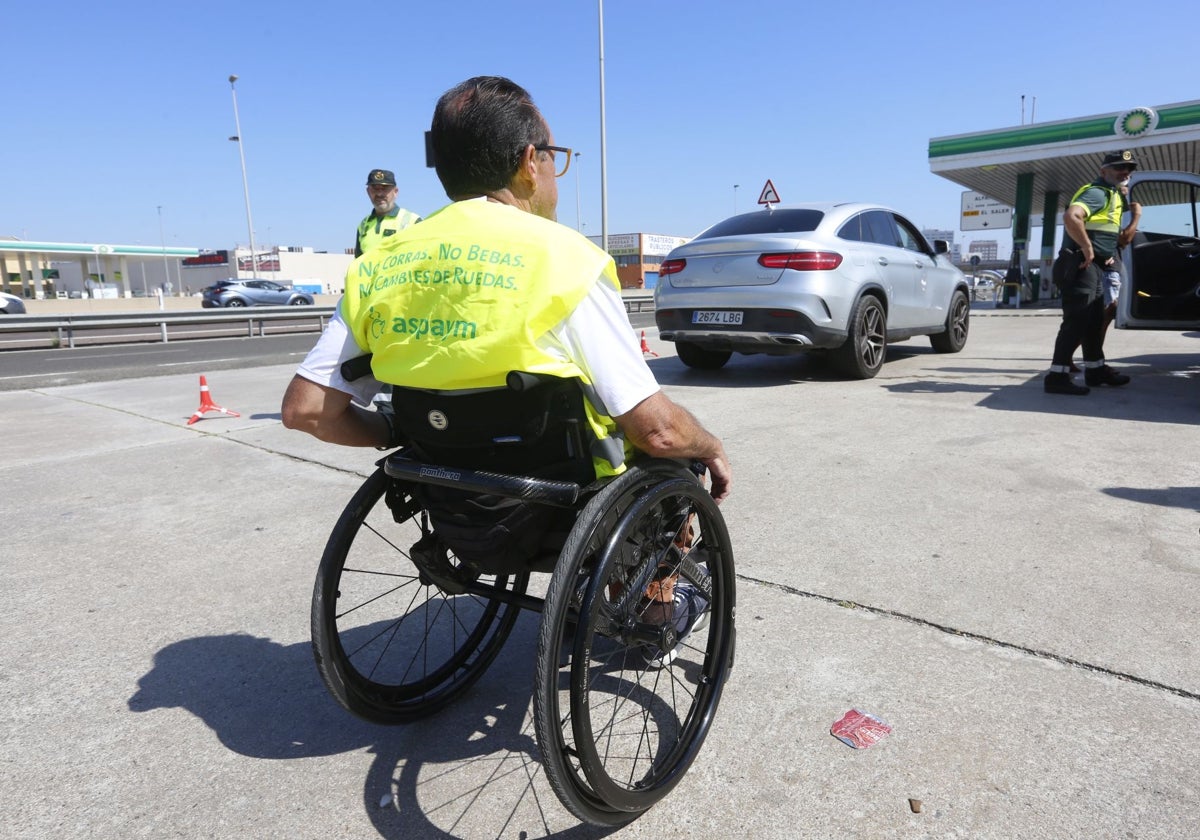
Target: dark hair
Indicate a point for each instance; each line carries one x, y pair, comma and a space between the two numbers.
480, 130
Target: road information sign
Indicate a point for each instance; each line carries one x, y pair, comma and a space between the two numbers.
769, 196
982, 212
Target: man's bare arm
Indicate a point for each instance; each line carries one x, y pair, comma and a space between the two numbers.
1073, 219
664, 429
329, 415
1130, 231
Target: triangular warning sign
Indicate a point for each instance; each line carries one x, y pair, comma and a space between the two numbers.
769, 196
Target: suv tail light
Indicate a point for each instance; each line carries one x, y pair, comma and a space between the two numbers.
802, 260
671, 267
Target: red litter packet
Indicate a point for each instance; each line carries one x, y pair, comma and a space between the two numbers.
859, 729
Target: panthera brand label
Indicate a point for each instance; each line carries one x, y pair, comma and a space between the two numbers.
439, 472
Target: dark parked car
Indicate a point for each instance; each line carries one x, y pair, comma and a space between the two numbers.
843, 278
253, 293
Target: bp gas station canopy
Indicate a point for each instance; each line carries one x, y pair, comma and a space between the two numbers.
32, 258
1038, 167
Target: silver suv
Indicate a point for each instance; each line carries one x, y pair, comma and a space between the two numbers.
253, 293
844, 278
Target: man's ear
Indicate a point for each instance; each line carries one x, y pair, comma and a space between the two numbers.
526, 174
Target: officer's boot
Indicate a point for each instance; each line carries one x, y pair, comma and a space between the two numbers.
1061, 383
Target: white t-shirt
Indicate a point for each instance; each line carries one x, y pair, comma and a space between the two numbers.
596, 336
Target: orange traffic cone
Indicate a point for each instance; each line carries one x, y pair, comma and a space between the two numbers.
646, 347
206, 404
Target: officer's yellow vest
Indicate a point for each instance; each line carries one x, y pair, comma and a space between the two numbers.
375, 230
1108, 218
461, 299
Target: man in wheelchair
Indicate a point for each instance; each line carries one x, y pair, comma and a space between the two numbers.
488, 285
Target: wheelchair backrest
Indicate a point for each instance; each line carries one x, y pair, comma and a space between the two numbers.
536, 426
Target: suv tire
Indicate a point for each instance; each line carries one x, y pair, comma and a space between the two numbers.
862, 354
958, 324
695, 356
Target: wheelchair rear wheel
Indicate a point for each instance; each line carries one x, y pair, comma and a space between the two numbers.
622, 704
390, 644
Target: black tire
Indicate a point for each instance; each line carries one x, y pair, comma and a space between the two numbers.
695, 356
958, 324
390, 647
235, 302
618, 732
298, 302
862, 354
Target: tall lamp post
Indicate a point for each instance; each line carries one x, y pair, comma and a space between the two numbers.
735, 188
162, 238
603, 145
578, 217
237, 123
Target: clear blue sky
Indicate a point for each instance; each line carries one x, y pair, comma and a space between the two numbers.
113, 109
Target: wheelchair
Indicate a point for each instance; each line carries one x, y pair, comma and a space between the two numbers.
410, 606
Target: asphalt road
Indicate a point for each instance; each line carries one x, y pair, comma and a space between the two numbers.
70, 366
1008, 578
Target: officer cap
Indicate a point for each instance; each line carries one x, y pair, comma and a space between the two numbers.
384, 177
1121, 158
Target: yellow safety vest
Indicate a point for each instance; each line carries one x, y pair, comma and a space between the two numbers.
375, 230
461, 299
1105, 221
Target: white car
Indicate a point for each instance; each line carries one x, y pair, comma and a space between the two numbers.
11, 304
1162, 288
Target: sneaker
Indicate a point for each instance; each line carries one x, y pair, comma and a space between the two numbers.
1060, 383
1104, 375
687, 612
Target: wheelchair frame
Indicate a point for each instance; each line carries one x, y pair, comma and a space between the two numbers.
401, 627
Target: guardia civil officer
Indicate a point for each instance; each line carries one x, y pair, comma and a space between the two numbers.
386, 218
1092, 223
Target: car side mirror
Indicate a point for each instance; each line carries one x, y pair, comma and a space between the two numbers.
941, 246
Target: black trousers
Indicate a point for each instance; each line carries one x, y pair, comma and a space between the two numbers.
1082, 317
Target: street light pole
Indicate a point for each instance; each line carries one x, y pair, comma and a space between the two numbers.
578, 217
245, 184
603, 147
163, 239
735, 188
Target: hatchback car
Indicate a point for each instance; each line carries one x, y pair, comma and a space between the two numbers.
252, 293
843, 278
1162, 288
11, 304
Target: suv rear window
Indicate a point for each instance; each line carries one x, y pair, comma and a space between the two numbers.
766, 221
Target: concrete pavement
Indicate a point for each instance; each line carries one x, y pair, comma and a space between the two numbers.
1006, 577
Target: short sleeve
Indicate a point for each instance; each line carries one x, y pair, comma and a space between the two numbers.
597, 336
323, 364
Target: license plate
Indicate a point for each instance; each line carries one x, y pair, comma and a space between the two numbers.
716, 316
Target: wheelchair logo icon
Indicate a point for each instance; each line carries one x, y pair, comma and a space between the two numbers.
438, 420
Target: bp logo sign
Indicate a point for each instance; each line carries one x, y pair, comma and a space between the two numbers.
1136, 123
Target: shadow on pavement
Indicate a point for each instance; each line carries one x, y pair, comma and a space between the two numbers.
1187, 498
474, 765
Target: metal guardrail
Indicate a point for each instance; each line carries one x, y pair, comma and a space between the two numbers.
636, 303
61, 330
